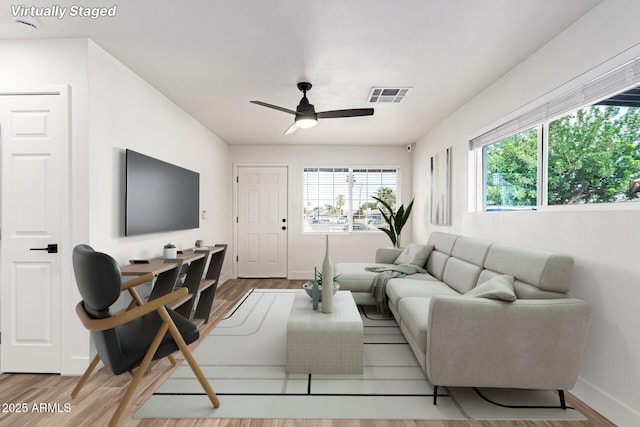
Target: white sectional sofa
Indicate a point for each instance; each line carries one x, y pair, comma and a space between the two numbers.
516, 327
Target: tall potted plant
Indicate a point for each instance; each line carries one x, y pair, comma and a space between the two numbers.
395, 220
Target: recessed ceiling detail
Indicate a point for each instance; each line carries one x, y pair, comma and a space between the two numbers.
387, 94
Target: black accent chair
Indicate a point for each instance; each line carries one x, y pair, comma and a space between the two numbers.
134, 337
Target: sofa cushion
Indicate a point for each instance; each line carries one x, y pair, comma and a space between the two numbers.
523, 290
471, 249
499, 287
442, 247
436, 263
545, 270
422, 276
466, 263
400, 288
442, 242
461, 275
414, 315
354, 277
415, 254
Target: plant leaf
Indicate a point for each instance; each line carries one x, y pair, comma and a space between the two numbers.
391, 234
401, 219
383, 203
396, 221
388, 218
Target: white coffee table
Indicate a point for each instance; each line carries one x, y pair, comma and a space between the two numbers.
325, 343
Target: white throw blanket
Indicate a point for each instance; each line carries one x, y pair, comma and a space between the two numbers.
386, 273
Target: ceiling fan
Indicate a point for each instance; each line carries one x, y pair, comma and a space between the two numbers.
305, 113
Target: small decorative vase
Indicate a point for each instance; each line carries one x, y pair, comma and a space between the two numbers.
327, 281
170, 253
315, 291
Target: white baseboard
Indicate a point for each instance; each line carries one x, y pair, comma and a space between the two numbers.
75, 366
300, 275
615, 411
224, 277
291, 275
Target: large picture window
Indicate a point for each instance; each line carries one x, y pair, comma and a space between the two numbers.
340, 199
511, 172
594, 154
580, 148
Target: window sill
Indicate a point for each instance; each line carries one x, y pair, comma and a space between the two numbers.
590, 207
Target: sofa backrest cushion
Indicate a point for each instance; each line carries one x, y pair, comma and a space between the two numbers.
466, 262
442, 247
415, 254
538, 273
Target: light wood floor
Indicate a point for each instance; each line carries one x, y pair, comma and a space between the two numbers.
45, 396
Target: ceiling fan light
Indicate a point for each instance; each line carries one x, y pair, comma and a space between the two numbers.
306, 122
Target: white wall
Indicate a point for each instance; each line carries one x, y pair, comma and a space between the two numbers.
603, 240
307, 250
113, 109
127, 112
29, 65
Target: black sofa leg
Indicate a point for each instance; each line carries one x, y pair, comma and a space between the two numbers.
435, 394
563, 403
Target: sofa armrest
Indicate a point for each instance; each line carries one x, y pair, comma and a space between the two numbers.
531, 344
387, 255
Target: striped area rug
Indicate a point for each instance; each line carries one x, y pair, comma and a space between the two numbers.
244, 358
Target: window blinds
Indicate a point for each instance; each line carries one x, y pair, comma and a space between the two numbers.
609, 84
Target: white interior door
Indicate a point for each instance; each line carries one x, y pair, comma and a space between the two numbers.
34, 137
262, 222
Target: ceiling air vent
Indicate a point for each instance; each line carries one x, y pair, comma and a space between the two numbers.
27, 22
387, 94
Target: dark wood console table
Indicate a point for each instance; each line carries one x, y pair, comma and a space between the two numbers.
187, 270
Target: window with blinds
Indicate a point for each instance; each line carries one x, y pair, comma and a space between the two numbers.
581, 147
614, 82
340, 199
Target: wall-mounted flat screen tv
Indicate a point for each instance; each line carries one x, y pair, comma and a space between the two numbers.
160, 196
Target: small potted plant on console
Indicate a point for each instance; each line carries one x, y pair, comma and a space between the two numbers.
170, 251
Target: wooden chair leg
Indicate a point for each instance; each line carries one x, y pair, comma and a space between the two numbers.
173, 330
132, 304
144, 365
172, 360
136, 300
85, 376
200, 375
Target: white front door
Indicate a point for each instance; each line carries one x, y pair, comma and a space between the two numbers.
262, 221
34, 138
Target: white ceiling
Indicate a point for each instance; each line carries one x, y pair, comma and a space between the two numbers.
211, 57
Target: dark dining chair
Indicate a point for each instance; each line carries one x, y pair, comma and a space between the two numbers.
134, 337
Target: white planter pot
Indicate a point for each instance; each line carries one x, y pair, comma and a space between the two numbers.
170, 253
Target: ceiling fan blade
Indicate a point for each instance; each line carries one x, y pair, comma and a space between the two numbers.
275, 107
355, 112
291, 129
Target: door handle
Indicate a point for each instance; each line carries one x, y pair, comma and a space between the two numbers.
51, 248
